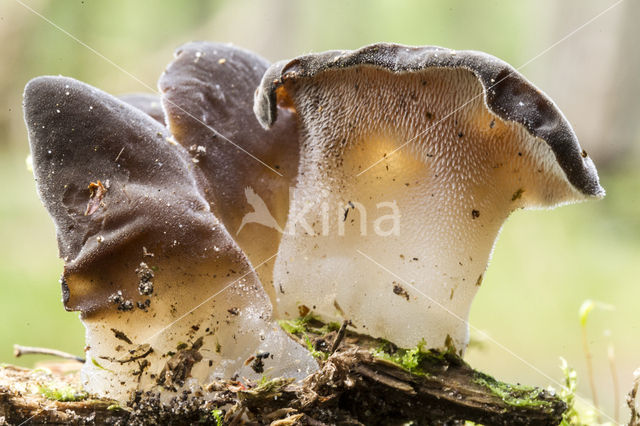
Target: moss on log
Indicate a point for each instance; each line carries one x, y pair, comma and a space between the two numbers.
362, 381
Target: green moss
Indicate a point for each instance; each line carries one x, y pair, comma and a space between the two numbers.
328, 328
312, 350
411, 359
419, 360
272, 385
568, 395
265, 389
61, 392
303, 325
217, 415
514, 395
306, 323
296, 326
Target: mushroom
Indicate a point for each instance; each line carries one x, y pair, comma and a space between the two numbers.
439, 147
166, 296
207, 93
145, 102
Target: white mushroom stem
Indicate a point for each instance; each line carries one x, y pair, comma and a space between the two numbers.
187, 339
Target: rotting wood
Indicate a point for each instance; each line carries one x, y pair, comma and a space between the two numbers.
353, 386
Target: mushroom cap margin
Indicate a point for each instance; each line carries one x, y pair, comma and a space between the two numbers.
506, 93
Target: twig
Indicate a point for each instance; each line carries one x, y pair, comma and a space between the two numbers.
119, 154
339, 336
19, 350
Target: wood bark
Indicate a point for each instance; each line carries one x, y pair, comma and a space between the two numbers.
352, 387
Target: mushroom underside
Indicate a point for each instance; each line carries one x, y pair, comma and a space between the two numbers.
405, 180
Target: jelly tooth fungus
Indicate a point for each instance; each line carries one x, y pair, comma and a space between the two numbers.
207, 93
457, 140
167, 297
151, 197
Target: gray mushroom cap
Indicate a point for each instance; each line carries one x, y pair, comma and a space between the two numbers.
207, 93
147, 103
144, 255
506, 93
109, 176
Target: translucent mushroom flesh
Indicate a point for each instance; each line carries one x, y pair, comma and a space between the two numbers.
443, 144
167, 297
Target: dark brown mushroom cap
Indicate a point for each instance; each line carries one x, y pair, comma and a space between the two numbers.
142, 186
207, 93
506, 93
147, 103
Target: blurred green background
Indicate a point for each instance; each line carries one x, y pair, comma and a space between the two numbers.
545, 264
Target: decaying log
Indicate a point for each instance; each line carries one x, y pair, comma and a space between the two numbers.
23, 400
355, 386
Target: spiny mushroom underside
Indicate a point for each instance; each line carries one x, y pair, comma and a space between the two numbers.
167, 298
406, 177
207, 92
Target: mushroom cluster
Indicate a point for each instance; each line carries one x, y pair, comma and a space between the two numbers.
144, 222
182, 219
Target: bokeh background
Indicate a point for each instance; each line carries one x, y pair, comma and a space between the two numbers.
583, 53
